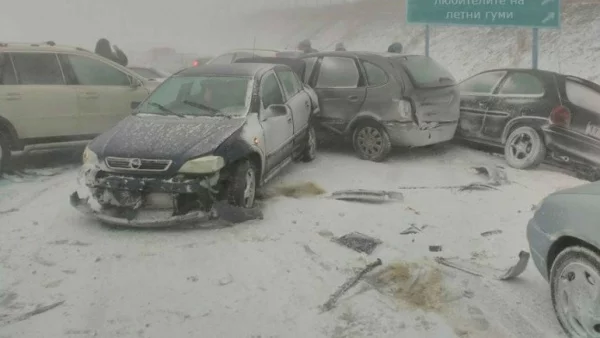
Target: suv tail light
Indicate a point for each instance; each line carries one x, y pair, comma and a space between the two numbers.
195, 63
560, 116
405, 108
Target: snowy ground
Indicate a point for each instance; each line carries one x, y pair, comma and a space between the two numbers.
267, 278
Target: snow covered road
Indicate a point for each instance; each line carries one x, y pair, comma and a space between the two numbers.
267, 278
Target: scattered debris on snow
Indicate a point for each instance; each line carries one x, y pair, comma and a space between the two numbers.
226, 280
232, 214
358, 242
413, 229
485, 271
296, 190
349, 284
367, 196
38, 310
2, 212
491, 233
495, 175
435, 248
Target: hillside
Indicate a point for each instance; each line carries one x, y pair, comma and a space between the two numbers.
374, 24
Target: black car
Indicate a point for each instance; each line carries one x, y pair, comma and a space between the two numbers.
532, 113
381, 100
206, 134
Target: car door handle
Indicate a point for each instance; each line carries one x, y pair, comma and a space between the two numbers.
353, 98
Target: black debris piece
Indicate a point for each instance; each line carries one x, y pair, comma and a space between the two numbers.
435, 248
490, 233
412, 229
358, 242
367, 196
229, 213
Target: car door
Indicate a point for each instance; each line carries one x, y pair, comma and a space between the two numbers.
40, 105
519, 94
475, 97
296, 98
341, 89
278, 130
584, 102
104, 92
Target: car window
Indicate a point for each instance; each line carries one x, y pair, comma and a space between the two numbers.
338, 72
90, 72
223, 59
38, 69
7, 72
522, 84
482, 83
424, 71
270, 92
290, 82
310, 64
375, 75
583, 96
148, 73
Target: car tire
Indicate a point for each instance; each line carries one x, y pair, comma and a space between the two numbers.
524, 148
371, 141
241, 190
567, 287
5, 154
310, 148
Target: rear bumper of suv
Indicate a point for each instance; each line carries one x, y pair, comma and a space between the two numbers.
409, 134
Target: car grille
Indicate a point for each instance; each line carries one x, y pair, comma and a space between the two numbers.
137, 164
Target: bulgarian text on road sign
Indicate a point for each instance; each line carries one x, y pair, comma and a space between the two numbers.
521, 13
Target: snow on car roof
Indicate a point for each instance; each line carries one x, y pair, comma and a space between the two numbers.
235, 69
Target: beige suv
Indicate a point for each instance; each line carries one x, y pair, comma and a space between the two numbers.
56, 96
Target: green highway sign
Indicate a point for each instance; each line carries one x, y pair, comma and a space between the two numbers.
518, 13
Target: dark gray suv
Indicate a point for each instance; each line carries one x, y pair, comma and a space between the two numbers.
381, 100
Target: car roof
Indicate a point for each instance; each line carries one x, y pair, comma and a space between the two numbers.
359, 54
41, 46
234, 69
298, 66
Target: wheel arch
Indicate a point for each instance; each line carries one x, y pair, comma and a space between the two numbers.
563, 243
6, 126
362, 118
534, 122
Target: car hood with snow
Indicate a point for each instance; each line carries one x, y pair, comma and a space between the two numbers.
165, 137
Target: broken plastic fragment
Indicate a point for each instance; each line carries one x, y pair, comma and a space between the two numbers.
358, 242
367, 196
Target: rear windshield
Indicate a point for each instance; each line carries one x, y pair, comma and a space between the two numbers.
425, 72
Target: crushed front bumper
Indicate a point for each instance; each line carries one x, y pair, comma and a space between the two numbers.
82, 204
144, 201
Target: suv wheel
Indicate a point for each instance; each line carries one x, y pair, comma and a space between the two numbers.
310, 149
575, 288
371, 141
241, 190
4, 154
524, 148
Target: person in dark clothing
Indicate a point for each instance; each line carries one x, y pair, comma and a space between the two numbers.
395, 47
305, 47
339, 47
103, 49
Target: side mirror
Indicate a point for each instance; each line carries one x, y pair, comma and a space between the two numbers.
135, 83
135, 104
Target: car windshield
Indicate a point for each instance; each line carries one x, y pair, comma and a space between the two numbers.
425, 72
150, 73
200, 96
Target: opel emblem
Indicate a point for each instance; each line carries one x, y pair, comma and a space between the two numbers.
135, 163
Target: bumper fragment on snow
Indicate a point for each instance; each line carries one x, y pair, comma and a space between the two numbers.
83, 206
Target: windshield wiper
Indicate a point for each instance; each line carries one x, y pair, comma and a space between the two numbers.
201, 106
165, 109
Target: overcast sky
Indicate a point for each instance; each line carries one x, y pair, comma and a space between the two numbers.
187, 25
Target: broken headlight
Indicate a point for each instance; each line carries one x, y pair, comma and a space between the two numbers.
89, 157
203, 165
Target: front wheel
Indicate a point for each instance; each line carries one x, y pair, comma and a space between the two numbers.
4, 154
371, 142
575, 290
524, 148
241, 190
310, 149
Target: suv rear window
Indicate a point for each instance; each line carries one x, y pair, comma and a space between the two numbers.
425, 72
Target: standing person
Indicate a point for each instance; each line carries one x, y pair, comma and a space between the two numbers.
305, 47
395, 47
118, 56
339, 47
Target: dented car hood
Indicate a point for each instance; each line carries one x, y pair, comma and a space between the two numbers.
165, 137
